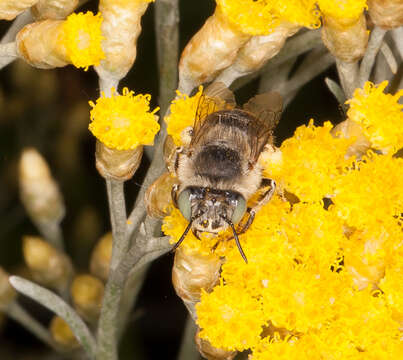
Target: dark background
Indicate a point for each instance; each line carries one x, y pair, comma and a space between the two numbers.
48, 109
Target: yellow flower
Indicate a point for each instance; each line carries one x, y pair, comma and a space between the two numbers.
261, 17
311, 160
380, 115
345, 11
125, 121
82, 36
301, 299
182, 114
229, 319
371, 193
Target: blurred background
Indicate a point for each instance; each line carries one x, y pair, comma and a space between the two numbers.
48, 109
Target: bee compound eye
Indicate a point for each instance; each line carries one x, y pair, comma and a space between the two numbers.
184, 204
239, 210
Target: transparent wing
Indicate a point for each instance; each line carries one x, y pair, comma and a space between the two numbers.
214, 98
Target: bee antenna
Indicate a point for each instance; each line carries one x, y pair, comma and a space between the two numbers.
238, 244
185, 232
182, 237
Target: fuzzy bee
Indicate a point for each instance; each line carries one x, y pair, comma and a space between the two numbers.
217, 170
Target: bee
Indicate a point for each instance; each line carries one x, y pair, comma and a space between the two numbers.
217, 170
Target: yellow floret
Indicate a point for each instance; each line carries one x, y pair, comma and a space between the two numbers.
125, 121
346, 11
310, 162
182, 114
229, 318
380, 115
82, 38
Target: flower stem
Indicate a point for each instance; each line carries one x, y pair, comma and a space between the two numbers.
348, 74
21, 20
117, 210
368, 60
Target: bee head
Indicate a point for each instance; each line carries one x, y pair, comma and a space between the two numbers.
211, 210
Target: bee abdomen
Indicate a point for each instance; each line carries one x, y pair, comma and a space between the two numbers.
218, 162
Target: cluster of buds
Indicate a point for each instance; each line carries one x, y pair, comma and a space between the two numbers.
239, 38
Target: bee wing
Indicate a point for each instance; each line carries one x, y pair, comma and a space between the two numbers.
214, 98
267, 109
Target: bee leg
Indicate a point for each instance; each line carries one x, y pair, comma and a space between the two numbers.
269, 186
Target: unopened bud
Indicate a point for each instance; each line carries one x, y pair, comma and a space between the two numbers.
209, 352
347, 42
101, 257
158, 198
87, 293
39, 192
7, 292
9, 9
117, 164
257, 51
48, 266
350, 129
54, 9
387, 14
62, 334
193, 272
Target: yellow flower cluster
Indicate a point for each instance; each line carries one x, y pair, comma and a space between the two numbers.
124, 121
82, 39
260, 17
312, 156
307, 290
347, 11
380, 115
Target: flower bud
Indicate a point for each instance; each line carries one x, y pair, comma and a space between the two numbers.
38, 190
54, 9
9, 9
101, 257
158, 198
387, 14
117, 164
7, 292
212, 49
350, 129
346, 41
87, 293
62, 334
48, 266
257, 51
193, 272
121, 28
210, 352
